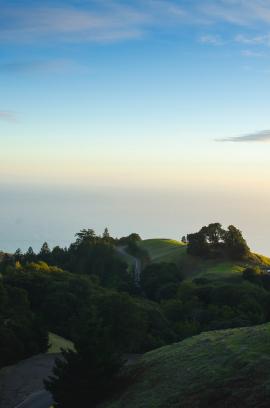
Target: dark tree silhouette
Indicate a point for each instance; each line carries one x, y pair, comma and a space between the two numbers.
88, 376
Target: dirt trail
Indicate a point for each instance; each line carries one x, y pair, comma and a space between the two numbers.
137, 263
23, 379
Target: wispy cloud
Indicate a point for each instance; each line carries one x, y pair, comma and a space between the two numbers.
108, 21
8, 116
70, 24
240, 12
211, 39
53, 66
223, 11
116, 20
252, 54
261, 136
253, 40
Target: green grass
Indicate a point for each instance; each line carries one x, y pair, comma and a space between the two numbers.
163, 250
222, 270
264, 260
168, 250
57, 343
228, 368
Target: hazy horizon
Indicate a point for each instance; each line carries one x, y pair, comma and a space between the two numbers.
30, 216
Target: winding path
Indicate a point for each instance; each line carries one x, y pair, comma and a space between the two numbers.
39, 399
21, 385
137, 263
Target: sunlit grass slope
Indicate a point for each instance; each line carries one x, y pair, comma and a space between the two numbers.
222, 270
57, 343
228, 368
163, 250
264, 260
168, 250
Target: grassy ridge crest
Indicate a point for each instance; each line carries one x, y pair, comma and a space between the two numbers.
226, 368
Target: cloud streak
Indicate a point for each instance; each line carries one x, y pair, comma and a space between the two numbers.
8, 116
263, 136
211, 39
109, 21
253, 40
252, 54
115, 20
50, 66
239, 12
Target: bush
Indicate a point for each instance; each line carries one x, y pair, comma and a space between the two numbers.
88, 376
158, 280
252, 274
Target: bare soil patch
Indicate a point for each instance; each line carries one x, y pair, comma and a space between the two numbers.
19, 381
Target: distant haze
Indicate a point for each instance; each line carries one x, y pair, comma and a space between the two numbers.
30, 216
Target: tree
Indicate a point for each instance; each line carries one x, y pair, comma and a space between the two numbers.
86, 377
155, 279
59, 256
252, 274
106, 234
21, 332
235, 244
134, 237
130, 239
184, 239
30, 255
126, 320
18, 255
85, 236
197, 244
45, 252
213, 241
214, 233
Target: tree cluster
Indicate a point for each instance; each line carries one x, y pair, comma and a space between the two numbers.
21, 331
90, 255
86, 294
213, 241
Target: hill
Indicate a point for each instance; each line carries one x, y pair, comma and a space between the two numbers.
163, 250
168, 250
228, 368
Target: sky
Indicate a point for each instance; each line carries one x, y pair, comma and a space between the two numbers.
140, 115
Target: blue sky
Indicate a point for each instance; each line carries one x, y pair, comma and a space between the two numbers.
136, 94
118, 84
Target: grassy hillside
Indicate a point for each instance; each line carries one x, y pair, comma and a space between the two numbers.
57, 343
163, 250
168, 250
228, 368
224, 271
262, 259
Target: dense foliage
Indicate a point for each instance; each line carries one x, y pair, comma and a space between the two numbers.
88, 375
21, 332
87, 294
160, 281
215, 242
89, 255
